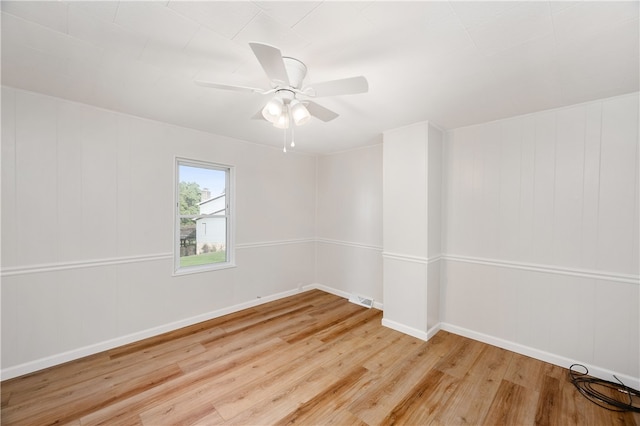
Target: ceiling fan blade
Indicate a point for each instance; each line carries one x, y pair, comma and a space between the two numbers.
344, 86
320, 112
230, 87
271, 60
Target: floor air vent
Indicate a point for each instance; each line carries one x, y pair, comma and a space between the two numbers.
367, 302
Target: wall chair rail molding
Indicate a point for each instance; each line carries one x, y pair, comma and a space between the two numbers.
410, 258
274, 243
549, 269
95, 263
92, 263
348, 244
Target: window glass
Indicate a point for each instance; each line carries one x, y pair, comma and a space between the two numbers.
203, 216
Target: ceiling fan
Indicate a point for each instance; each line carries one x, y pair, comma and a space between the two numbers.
291, 102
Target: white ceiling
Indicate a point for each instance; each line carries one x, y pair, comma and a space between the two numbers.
452, 63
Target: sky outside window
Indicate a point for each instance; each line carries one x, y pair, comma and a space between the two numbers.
214, 180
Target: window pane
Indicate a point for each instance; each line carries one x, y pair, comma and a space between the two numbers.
203, 240
199, 185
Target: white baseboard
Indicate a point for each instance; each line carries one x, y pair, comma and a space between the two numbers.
413, 332
561, 361
336, 292
50, 361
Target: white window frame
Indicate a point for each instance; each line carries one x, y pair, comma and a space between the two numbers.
229, 216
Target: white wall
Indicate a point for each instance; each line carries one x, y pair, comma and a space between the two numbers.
541, 233
412, 182
87, 229
434, 214
540, 230
349, 222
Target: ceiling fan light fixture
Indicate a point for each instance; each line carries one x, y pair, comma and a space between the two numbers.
273, 110
282, 122
287, 75
299, 112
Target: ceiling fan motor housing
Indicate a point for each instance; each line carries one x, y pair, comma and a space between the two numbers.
286, 95
296, 71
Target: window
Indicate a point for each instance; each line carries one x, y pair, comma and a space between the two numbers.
203, 237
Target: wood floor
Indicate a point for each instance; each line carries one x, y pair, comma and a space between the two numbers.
309, 359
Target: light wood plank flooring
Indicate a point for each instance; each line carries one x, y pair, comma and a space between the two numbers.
309, 359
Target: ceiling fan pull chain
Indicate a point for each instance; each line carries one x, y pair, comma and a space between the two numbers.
293, 144
284, 141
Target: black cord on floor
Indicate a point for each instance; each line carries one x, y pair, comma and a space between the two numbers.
587, 386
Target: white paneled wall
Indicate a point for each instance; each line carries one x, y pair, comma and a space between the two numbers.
541, 233
349, 222
554, 188
87, 229
539, 229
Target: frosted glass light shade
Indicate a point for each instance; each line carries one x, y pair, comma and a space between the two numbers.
283, 120
272, 111
299, 112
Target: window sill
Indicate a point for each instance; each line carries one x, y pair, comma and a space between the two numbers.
203, 268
